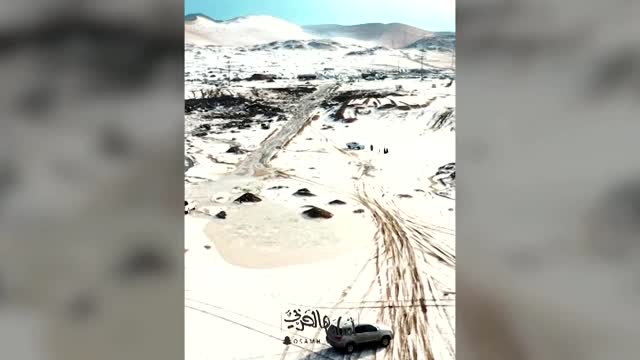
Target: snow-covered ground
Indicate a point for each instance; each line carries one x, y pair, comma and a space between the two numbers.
387, 254
206, 66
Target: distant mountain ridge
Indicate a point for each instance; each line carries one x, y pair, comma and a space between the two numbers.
194, 17
317, 44
394, 35
263, 29
442, 41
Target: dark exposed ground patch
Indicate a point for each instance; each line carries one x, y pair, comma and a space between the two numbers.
237, 112
247, 198
298, 91
442, 119
241, 106
359, 94
317, 213
303, 192
191, 105
342, 102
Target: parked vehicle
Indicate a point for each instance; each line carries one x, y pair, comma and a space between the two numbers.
349, 336
355, 146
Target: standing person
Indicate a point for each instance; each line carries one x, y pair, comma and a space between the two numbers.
371, 146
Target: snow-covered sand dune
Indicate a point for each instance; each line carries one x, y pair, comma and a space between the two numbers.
249, 30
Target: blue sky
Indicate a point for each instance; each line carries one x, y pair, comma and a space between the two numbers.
432, 15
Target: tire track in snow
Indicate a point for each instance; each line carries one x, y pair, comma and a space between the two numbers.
402, 279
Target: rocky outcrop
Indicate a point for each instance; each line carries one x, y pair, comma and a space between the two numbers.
247, 198
258, 77
303, 192
317, 213
235, 150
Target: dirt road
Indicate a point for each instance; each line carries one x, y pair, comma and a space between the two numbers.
259, 159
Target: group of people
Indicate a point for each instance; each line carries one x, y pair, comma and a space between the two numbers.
384, 150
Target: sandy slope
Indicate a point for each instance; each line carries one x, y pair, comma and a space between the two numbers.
249, 30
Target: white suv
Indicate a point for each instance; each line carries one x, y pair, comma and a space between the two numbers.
348, 336
355, 146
